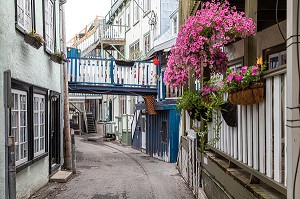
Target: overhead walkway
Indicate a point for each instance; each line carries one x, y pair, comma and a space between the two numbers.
109, 76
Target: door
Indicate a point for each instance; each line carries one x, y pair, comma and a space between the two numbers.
54, 144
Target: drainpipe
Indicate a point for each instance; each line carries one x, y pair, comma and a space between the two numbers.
10, 164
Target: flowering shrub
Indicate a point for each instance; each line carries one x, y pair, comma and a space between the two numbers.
244, 78
37, 36
200, 40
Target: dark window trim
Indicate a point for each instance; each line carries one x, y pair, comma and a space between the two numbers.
19, 28
31, 90
269, 51
54, 27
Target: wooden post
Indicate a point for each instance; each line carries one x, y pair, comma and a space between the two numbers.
293, 109
250, 43
67, 133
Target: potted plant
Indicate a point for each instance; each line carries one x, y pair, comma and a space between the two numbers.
245, 86
34, 39
59, 57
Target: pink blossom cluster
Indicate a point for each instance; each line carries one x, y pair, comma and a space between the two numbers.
215, 85
244, 77
201, 38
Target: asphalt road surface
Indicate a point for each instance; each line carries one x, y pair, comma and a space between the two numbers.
109, 170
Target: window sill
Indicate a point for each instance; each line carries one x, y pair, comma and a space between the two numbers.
20, 29
31, 162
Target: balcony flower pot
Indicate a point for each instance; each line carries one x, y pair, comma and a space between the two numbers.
251, 95
34, 39
56, 59
124, 63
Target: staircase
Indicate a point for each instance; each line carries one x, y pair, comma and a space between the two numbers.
90, 123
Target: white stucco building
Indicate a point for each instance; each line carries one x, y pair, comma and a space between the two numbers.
32, 112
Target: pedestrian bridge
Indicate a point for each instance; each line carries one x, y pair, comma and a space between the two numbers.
110, 76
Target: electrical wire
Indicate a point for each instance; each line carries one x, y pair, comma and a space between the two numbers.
298, 62
278, 21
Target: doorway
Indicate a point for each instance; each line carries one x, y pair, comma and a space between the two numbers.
54, 150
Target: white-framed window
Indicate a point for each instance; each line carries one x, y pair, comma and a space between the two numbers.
147, 45
19, 125
25, 14
121, 24
128, 17
136, 11
49, 24
174, 21
146, 5
134, 50
39, 124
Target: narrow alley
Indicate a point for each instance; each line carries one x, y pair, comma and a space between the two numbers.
109, 170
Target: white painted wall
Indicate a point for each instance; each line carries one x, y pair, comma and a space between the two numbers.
32, 66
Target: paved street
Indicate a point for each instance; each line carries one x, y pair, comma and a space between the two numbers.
109, 170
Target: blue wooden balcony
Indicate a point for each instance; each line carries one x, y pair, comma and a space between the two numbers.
108, 76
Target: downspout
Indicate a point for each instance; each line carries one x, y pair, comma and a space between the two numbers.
10, 164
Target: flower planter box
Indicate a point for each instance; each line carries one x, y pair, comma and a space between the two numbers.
253, 95
56, 59
31, 40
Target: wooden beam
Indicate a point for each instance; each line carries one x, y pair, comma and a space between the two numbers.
250, 43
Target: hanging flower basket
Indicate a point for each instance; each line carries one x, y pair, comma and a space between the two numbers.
33, 41
149, 101
56, 59
253, 95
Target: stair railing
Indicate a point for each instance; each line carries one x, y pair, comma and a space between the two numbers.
85, 118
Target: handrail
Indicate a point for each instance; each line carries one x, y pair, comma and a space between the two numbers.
85, 118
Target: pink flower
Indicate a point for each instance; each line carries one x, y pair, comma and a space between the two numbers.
254, 73
254, 68
229, 78
214, 89
238, 78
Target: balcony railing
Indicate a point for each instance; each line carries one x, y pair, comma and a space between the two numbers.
258, 144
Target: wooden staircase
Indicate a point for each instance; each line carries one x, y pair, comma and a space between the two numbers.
90, 123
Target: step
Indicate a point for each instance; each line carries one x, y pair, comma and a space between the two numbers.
61, 176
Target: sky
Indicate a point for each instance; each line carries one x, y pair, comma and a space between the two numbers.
79, 13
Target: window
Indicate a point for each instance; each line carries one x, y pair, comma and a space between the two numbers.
134, 50
236, 64
136, 11
25, 14
146, 5
175, 25
49, 25
121, 24
164, 131
128, 17
19, 125
275, 56
29, 123
147, 46
39, 124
